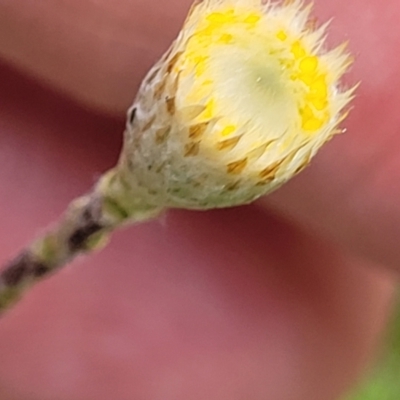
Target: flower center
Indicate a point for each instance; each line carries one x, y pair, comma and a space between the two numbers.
256, 73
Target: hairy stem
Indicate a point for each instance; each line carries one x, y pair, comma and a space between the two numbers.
84, 227
78, 232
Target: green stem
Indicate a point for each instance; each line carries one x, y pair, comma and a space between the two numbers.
86, 225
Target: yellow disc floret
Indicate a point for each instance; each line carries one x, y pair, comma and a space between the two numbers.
278, 66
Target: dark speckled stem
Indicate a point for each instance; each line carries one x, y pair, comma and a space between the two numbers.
85, 226
80, 230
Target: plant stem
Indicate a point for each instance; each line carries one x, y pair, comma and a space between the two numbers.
85, 226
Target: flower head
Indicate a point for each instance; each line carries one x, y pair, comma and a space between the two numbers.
239, 104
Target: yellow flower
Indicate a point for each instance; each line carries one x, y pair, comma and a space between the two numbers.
239, 104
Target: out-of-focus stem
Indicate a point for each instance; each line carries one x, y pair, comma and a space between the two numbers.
84, 227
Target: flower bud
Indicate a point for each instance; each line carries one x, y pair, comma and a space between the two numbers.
239, 104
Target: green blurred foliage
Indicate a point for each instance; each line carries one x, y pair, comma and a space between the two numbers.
384, 381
